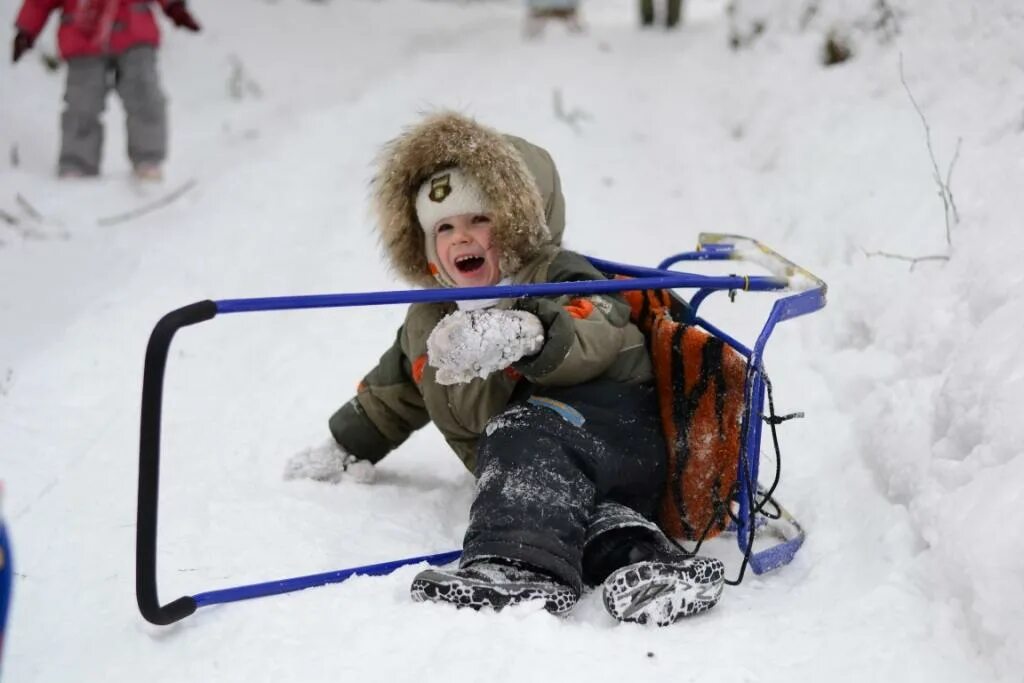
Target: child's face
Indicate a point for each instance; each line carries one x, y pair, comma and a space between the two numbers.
464, 248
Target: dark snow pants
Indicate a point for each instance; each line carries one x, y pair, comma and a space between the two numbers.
559, 467
673, 12
133, 74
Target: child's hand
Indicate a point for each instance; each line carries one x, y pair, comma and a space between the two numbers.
330, 463
22, 44
469, 344
182, 18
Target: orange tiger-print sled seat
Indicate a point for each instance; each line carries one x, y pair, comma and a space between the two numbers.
700, 381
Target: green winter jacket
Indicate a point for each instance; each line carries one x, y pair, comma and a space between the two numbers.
587, 338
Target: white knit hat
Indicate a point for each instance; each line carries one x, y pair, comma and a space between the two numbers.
450, 192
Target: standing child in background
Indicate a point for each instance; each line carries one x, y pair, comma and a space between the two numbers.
107, 43
540, 12
549, 401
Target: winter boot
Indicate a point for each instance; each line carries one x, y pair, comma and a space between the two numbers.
663, 592
493, 583
148, 172
73, 171
647, 579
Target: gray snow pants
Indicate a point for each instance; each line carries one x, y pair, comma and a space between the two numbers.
133, 74
562, 468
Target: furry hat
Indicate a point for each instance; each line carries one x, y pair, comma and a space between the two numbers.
452, 142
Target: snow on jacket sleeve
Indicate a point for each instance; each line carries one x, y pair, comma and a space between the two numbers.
387, 408
32, 17
587, 336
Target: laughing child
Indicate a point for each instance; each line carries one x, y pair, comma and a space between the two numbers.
549, 401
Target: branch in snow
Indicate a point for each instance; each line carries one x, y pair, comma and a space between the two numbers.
239, 83
952, 216
147, 208
25, 229
571, 118
28, 208
28, 228
29, 232
808, 14
912, 260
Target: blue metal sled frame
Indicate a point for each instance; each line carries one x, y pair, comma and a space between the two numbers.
808, 295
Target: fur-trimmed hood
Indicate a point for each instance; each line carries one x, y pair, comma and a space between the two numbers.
519, 178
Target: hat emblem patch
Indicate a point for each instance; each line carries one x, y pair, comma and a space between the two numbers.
440, 188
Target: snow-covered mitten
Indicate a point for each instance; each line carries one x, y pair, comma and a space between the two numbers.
329, 462
469, 344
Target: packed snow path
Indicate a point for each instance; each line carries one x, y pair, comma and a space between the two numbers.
906, 471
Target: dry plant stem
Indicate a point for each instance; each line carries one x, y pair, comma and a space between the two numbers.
32, 227
952, 216
949, 192
28, 232
147, 208
571, 118
239, 83
28, 208
912, 260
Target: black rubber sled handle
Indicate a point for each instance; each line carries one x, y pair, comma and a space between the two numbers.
149, 464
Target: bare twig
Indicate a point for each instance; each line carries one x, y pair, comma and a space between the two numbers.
811, 10
26, 230
30, 232
28, 208
147, 208
32, 227
571, 118
949, 192
239, 82
912, 260
945, 193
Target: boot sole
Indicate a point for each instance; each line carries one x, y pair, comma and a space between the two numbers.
437, 586
658, 593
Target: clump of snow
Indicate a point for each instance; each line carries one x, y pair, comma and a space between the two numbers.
328, 462
467, 344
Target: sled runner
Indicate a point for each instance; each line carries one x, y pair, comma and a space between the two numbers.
712, 393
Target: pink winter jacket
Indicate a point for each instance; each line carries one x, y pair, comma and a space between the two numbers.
94, 27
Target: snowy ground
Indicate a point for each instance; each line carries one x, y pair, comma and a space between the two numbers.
906, 472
